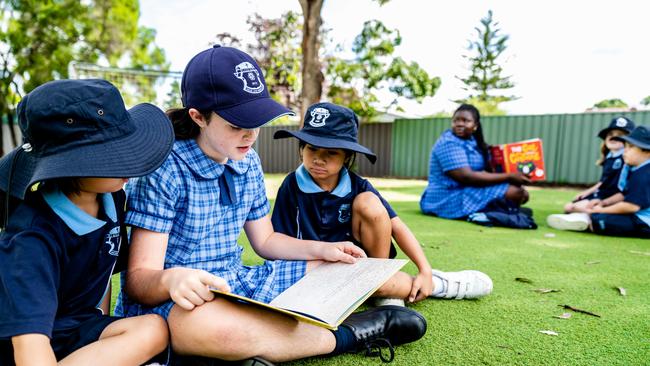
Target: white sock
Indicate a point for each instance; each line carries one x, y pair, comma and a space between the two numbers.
438, 285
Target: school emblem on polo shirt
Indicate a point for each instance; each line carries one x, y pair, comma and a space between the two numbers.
247, 73
113, 239
618, 163
318, 117
344, 213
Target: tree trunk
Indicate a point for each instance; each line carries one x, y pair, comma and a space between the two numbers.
312, 76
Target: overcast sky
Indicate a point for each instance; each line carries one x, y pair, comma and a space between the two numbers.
563, 55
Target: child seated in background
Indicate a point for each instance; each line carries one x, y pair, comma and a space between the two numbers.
64, 240
611, 160
324, 200
626, 213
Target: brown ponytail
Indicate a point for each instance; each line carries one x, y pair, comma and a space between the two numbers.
184, 127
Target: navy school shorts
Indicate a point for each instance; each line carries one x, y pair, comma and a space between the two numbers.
619, 225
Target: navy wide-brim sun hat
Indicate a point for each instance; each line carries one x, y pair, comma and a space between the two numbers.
329, 126
87, 132
639, 137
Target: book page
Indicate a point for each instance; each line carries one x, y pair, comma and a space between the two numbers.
332, 291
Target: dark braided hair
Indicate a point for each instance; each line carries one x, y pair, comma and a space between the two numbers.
478, 134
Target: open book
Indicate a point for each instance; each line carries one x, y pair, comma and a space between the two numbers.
330, 292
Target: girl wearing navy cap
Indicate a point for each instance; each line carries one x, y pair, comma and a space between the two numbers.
611, 160
324, 200
187, 217
64, 233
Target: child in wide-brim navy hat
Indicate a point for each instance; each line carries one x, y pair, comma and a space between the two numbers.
324, 200
65, 237
626, 213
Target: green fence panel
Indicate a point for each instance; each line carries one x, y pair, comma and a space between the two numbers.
571, 145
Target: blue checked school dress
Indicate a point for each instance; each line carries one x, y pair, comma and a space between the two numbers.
446, 197
187, 198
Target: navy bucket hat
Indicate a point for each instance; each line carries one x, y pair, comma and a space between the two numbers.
81, 128
640, 137
230, 83
618, 123
329, 126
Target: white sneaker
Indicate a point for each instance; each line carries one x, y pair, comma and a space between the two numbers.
576, 221
383, 301
463, 285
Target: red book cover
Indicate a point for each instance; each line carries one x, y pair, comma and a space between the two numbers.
524, 156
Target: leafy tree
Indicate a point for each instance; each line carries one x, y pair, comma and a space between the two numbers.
486, 73
39, 39
646, 100
354, 82
611, 103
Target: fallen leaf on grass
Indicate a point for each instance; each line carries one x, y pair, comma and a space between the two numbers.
621, 291
563, 316
549, 332
592, 262
637, 252
546, 290
522, 279
580, 310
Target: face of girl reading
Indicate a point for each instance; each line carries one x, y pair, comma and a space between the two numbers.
221, 140
323, 165
463, 124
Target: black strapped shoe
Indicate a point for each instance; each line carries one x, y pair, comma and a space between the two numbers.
385, 326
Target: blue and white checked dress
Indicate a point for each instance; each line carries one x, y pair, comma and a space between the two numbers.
182, 198
446, 197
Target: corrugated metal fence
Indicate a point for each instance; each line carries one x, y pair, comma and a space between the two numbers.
403, 147
570, 143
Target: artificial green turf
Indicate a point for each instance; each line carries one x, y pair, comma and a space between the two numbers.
503, 328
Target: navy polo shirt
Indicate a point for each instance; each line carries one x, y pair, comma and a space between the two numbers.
635, 184
611, 171
304, 211
56, 262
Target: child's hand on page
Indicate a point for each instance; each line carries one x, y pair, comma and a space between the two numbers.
343, 251
189, 288
421, 288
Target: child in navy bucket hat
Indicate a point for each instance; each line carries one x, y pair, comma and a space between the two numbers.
186, 219
64, 233
324, 200
626, 213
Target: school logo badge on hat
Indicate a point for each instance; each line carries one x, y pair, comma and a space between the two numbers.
621, 122
318, 117
247, 73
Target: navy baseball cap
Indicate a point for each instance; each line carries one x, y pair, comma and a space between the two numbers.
640, 137
81, 128
230, 83
329, 126
618, 123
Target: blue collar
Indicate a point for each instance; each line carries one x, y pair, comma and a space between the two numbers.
307, 185
199, 163
613, 154
635, 168
75, 218
448, 135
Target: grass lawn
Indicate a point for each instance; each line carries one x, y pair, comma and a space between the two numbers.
504, 328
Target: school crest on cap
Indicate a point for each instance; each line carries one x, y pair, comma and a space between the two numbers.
621, 122
247, 73
318, 117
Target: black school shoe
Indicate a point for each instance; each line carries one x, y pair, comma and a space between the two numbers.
206, 361
385, 326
